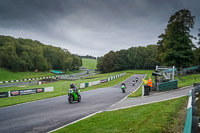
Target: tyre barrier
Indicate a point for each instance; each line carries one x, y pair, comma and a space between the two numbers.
192, 119
84, 85
21, 80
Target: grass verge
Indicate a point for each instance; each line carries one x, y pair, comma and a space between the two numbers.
188, 80
154, 118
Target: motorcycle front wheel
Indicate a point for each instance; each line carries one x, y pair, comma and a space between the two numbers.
79, 98
70, 99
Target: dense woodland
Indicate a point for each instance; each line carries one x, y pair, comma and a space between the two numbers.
132, 58
174, 47
28, 55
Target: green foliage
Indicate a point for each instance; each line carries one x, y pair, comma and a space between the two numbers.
197, 52
133, 58
199, 37
108, 62
89, 63
28, 55
157, 117
175, 46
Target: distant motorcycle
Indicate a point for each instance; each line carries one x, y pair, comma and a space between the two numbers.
133, 83
123, 87
136, 79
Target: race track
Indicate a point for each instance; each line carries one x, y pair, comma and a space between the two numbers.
46, 115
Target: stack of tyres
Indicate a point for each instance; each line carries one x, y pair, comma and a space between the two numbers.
146, 90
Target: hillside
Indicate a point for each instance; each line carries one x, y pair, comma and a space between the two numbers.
89, 63
6, 75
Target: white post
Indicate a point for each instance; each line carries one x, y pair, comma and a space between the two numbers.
173, 74
156, 67
143, 90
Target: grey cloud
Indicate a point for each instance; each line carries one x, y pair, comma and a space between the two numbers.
91, 26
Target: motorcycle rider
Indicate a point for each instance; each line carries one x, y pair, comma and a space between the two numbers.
136, 79
74, 88
123, 84
133, 82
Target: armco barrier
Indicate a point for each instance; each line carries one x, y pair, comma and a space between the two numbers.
192, 120
168, 85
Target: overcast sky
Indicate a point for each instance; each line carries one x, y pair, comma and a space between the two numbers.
92, 27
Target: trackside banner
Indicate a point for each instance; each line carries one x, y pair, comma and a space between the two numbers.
103, 81
26, 92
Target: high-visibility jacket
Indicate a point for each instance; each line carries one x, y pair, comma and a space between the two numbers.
150, 82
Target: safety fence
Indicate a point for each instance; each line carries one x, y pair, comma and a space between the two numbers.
167, 85
192, 119
25, 92
84, 85
29, 79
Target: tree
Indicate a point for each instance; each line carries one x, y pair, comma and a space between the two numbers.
150, 59
108, 62
67, 65
197, 51
121, 60
176, 42
100, 63
28, 55
199, 37
77, 62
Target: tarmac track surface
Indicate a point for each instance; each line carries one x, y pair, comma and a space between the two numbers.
46, 115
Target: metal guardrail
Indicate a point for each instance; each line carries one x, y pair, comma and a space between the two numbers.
192, 119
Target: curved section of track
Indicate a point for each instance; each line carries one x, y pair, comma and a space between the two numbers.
48, 114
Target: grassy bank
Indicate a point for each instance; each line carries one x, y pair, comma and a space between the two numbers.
188, 80
6, 75
157, 117
60, 88
89, 63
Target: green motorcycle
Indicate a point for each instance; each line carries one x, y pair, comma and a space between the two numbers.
123, 87
74, 95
